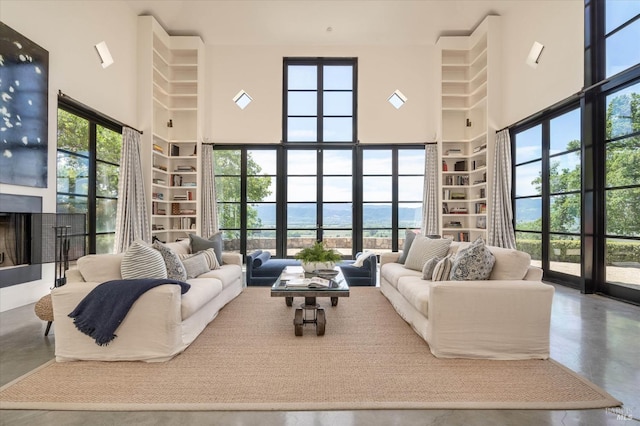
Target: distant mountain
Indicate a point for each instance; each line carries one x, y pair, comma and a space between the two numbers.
375, 216
528, 209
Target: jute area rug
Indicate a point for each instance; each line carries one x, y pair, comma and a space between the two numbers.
249, 359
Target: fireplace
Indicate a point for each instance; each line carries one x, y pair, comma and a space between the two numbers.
28, 238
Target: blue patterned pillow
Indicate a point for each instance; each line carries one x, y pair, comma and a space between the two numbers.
473, 263
175, 268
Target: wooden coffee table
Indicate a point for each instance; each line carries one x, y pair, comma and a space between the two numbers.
310, 312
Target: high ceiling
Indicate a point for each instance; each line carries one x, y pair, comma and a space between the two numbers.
322, 22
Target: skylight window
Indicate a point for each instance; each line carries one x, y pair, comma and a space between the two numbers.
242, 99
397, 99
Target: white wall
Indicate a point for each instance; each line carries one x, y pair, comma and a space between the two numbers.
69, 30
559, 26
381, 70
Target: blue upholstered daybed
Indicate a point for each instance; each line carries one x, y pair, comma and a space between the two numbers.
263, 270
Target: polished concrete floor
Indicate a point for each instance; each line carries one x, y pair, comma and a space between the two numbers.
597, 337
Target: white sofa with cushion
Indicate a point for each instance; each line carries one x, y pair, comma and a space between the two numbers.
506, 316
159, 325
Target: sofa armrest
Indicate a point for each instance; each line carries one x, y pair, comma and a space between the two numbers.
151, 331
73, 275
533, 274
389, 257
490, 319
231, 258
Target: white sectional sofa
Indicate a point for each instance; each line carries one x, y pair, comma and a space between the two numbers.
504, 317
160, 324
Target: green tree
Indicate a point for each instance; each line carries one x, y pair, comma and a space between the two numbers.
227, 168
623, 165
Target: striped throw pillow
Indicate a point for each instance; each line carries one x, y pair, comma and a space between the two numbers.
142, 261
209, 255
442, 269
422, 249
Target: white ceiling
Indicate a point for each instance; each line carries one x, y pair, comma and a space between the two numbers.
306, 22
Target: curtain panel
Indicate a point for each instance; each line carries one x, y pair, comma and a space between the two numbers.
132, 220
501, 233
209, 207
430, 211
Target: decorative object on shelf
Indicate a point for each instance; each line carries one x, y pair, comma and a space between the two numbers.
317, 257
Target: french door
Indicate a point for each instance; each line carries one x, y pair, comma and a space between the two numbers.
319, 198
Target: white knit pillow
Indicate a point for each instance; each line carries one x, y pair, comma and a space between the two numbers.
142, 261
423, 248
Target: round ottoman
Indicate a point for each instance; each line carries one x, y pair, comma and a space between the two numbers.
44, 311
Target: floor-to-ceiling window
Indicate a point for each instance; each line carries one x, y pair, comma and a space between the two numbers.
547, 176
577, 193
319, 136
88, 164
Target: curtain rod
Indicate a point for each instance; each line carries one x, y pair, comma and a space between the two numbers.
93, 111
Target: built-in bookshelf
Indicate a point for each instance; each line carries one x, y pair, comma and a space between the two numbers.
467, 136
171, 86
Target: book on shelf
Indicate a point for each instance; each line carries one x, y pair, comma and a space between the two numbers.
187, 211
453, 151
481, 208
175, 150
462, 180
158, 148
190, 195
458, 196
188, 184
185, 168
160, 167
454, 224
460, 166
180, 198
159, 181
315, 282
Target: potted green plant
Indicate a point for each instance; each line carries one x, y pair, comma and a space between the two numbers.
317, 257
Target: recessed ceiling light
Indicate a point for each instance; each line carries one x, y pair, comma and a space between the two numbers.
242, 99
329, 29
397, 99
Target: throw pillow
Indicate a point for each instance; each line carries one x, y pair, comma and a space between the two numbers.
442, 269
423, 249
359, 263
209, 255
214, 242
175, 268
427, 270
196, 264
142, 261
409, 236
473, 263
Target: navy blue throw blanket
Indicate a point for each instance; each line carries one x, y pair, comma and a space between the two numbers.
100, 313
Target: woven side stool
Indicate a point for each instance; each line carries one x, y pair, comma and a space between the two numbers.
44, 311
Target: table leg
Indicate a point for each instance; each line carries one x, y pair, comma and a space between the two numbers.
298, 322
334, 301
321, 321
288, 301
